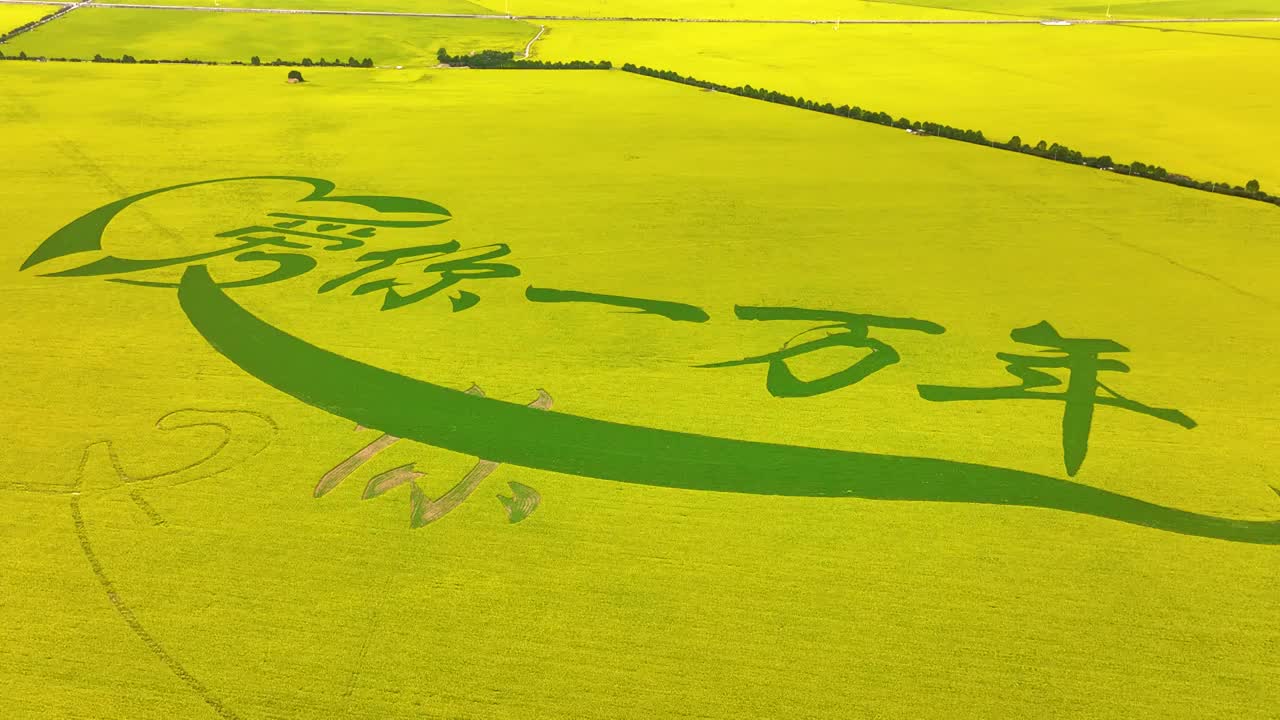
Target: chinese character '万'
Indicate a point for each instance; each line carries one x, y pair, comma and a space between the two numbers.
849, 330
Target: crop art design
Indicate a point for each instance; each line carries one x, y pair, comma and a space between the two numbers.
1066, 371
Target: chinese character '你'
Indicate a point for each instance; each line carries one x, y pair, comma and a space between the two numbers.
449, 260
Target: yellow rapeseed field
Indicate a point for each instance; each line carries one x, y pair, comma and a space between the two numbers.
608, 236
1194, 99
224, 37
14, 16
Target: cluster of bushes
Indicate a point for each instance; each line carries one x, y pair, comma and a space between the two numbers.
6, 36
500, 60
1060, 153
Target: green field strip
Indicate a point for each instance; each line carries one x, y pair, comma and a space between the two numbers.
224, 37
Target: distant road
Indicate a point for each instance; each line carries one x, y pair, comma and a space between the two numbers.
622, 19
65, 8
580, 18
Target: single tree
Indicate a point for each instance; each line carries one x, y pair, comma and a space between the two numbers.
255, 61
1253, 187
295, 76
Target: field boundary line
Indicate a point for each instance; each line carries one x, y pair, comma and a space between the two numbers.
1211, 33
1114, 237
1056, 153
741, 21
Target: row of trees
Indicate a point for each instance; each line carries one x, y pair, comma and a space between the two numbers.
6, 36
505, 60
308, 62
130, 60
1061, 153
254, 61
127, 59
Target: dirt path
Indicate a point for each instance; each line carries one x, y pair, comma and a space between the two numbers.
529, 47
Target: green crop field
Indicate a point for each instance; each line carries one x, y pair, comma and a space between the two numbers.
736, 9
462, 7
456, 393
165, 34
1156, 94
847, 10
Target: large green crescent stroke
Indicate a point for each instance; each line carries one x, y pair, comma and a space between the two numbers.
511, 433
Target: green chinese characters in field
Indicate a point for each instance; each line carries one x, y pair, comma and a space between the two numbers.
498, 432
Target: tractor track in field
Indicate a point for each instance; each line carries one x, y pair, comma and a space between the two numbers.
131, 619
582, 18
100, 457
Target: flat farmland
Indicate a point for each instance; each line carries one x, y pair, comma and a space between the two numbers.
224, 37
899, 9
454, 7
1155, 94
718, 9
1267, 31
426, 392
618, 600
1122, 10
14, 16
